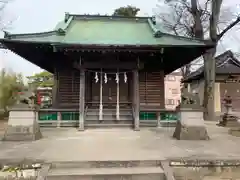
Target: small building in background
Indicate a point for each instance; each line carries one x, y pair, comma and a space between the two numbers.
172, 90
227, 81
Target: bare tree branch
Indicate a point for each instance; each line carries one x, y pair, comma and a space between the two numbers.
3, 25
197, 23
200, 19
219, 36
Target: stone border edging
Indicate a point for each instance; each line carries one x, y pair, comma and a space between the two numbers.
203, 162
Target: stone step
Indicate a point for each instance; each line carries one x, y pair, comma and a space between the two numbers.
133, 173
110, 114
109, 121
108, 125
109, 117
113, 108
106, 164
148, 123
90, 125
111, 111
97, 124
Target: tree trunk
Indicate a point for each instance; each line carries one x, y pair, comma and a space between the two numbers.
209, 84
210, 65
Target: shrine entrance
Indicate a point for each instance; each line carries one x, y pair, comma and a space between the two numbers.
110, 90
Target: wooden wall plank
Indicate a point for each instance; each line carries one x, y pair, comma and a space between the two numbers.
69, 83
151, 87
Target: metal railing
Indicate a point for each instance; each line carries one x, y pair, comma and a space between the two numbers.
159, 117
58, 117
70, 117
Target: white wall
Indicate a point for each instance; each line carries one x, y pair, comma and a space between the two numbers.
198, 87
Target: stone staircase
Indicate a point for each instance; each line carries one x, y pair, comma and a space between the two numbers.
107, 170
109, 118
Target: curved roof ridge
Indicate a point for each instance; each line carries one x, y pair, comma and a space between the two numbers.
106, 16
58, 30
158, 33
187, 38
9, 35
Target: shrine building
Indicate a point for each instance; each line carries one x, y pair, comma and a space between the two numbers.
227, 82
109, 69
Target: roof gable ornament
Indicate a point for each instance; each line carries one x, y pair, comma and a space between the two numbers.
61, 32
67, 16
152, 23
153, 19
157, 34
6, 34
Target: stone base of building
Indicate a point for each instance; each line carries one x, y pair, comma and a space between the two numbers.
229, 120
234, 131
22, 126
190, 126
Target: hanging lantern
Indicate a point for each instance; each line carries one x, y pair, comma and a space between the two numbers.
96, 77
105, 78
117, 78
125, 77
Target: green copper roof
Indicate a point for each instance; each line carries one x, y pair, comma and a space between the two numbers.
106, 30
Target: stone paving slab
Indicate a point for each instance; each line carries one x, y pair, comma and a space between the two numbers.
103, 171
68, 144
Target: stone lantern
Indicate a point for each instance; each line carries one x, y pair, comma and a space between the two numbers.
228, 119
228, 104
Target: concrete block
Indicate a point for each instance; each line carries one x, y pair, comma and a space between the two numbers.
234, 131
190, 126
22, 126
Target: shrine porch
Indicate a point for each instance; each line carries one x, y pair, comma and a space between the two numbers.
107, 98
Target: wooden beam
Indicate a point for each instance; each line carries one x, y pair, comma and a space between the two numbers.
108, 65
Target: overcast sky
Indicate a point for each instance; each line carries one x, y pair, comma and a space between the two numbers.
43, 15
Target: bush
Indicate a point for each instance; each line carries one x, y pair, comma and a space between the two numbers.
10, 85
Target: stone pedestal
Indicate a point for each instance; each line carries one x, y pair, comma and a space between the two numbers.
234, 131
229, 120
22, 126
190, 125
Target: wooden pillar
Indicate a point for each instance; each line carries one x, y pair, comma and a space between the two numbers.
117, 105
59, 119
82, 100
162, 81
136, 100
101, 98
